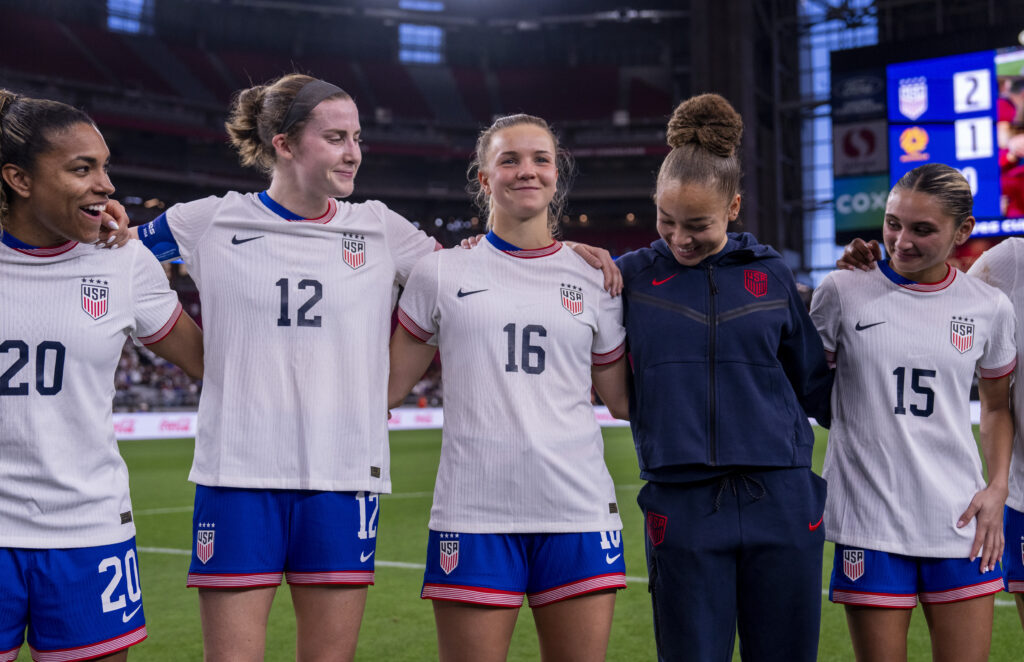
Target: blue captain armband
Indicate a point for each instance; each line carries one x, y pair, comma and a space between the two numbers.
157, 237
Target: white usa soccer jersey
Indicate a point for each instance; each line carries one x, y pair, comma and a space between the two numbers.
1001, 266
518, 333
66, 312
296, 316
902, 463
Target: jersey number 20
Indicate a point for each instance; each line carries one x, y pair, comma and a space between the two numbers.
21, 359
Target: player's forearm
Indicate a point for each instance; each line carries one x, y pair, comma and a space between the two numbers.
410, 358
610, 382
183, 346
996, 429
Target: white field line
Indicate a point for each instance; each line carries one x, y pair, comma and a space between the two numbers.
418, 566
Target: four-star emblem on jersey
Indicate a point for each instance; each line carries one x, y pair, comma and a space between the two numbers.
353, 249
572, 298
449, 548
204, 541
961, 333
95, 293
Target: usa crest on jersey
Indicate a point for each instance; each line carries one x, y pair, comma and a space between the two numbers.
449, 547
572, 298
756, 282
95, 295
354, 250
853, 564
204, 542
961, 333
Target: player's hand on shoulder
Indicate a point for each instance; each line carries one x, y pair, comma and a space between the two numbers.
114, 221
471, 242
860, 254
601, 259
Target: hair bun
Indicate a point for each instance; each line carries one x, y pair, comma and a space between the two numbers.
709, 121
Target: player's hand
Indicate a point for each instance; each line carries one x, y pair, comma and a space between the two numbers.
471, 242
987, 508
860, 254
114, 221
601, 259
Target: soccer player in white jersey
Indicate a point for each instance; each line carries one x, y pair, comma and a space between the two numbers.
908, 506
291, 453
523, 502
69, 570
1003, 267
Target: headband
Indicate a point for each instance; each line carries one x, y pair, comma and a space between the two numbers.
308, 97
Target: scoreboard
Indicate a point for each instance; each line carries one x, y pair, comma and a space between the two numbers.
887, 120
943, 110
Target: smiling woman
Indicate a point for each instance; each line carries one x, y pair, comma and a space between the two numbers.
726, 369
67, 309
296, 289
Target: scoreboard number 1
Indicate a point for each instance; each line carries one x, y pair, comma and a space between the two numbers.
972, 91
974, 138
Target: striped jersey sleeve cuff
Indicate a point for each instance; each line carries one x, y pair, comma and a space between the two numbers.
997, 373
609, 357
412, 327
165, 329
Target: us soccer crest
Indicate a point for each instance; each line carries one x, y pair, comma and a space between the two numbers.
756, 282
913, 96
449, 552
572, 298
354, 250
961, 333
853, 564
656, 525
95, 294
204, 541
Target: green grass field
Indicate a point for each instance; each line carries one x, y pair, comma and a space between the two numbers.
398, 625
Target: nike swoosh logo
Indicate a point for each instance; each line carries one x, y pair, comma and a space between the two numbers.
363, 558
814, 527
125, 617
611, 559
466, 294
236, 241
861, 327
656, 282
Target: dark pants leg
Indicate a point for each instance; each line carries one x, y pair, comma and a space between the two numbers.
691, 562
779, 574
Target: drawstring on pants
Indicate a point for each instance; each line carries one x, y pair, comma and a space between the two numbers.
729, 480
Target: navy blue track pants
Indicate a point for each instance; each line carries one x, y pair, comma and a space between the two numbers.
742, 552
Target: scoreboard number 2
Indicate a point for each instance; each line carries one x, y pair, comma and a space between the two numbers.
972, 91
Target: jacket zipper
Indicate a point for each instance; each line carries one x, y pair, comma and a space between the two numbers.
712, 331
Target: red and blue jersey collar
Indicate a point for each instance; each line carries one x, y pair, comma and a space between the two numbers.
36, 251
525, 253
906, 283
287, 215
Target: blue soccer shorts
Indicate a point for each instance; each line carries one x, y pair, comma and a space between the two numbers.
497, 569
248, 537
1013, 553
77, 603
881, 579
